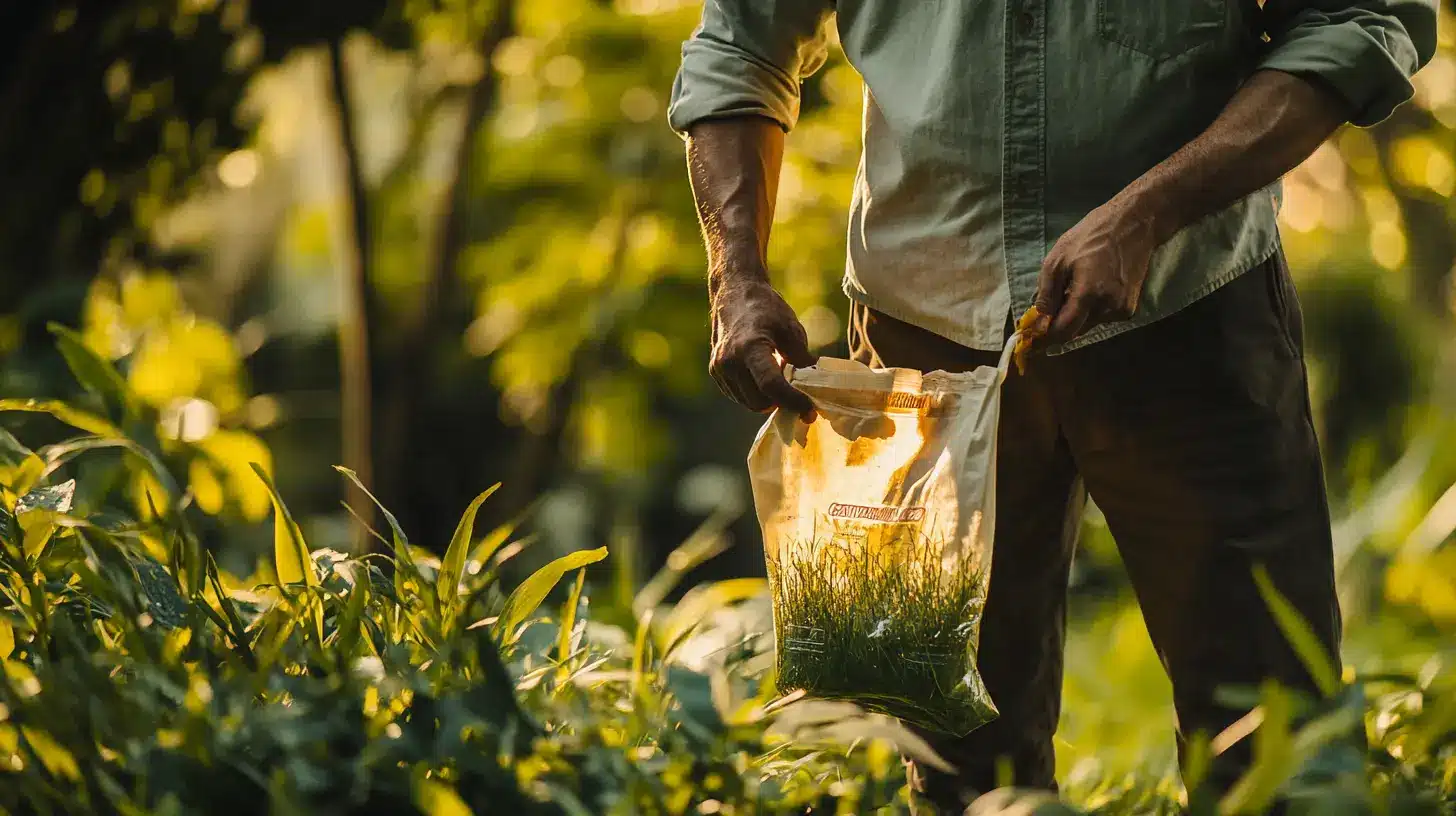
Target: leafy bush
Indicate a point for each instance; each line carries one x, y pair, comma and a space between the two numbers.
140, 678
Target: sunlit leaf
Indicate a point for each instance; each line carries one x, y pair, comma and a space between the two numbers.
223, 471
290, 552
1296, 630
532, 591
569, 633
7, 638
56, 759
74, 417
452, 566
37, 526
436, 799
702, 600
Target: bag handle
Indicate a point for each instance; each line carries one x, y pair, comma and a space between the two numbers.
1007, 354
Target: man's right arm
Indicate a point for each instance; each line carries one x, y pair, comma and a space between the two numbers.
735, 95
734, 166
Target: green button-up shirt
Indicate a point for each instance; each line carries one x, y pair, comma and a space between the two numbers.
993, 126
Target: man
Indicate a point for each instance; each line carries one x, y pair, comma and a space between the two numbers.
1114, 163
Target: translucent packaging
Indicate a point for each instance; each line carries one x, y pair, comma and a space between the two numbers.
877, 521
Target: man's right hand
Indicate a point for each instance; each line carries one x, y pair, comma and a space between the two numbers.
751, 322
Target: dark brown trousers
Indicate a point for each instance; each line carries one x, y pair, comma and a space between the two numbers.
1193, 435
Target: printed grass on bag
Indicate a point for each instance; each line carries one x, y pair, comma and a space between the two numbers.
885, 627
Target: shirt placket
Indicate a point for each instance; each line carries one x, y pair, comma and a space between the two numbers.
1023, 149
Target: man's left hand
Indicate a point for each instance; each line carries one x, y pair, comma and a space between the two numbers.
1095, 272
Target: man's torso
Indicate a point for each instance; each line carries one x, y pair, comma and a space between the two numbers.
991, 128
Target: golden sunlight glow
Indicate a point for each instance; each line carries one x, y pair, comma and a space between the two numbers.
239, 168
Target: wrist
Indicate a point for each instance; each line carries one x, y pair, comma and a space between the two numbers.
1156, 205
735, 265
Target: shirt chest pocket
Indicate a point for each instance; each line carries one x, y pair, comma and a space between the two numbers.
1162, 29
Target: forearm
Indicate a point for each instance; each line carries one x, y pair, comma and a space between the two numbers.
1272, 124
733, 165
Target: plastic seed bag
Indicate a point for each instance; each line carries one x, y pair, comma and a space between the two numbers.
877, 521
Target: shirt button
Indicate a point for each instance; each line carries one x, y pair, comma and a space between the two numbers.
1027, 22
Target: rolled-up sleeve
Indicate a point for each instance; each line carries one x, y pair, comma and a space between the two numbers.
1364, 50
749, 57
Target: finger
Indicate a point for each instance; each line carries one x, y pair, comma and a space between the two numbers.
768, 380
745, 391
793, 343
1051, 288
722, 383
1072, 317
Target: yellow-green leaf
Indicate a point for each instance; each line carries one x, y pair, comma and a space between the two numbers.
532, 591
1296, 630
290, 552
56, 759
74, 417
435, 799
37, 527
565, 640
452, 566
26, 474
7, 638
702, 600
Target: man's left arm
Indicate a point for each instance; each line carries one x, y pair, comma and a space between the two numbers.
1328, 62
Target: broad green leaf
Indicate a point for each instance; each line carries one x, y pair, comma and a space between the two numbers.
1296, 630
452, 566
290, 552
435, 799
74, 417
7, 638
532, 591
94, 374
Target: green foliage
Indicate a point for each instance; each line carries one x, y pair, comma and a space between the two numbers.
136, 677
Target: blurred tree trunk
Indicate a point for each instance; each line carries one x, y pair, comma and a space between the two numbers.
358, 313
412, 367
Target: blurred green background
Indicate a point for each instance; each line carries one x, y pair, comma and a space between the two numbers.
450, 243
